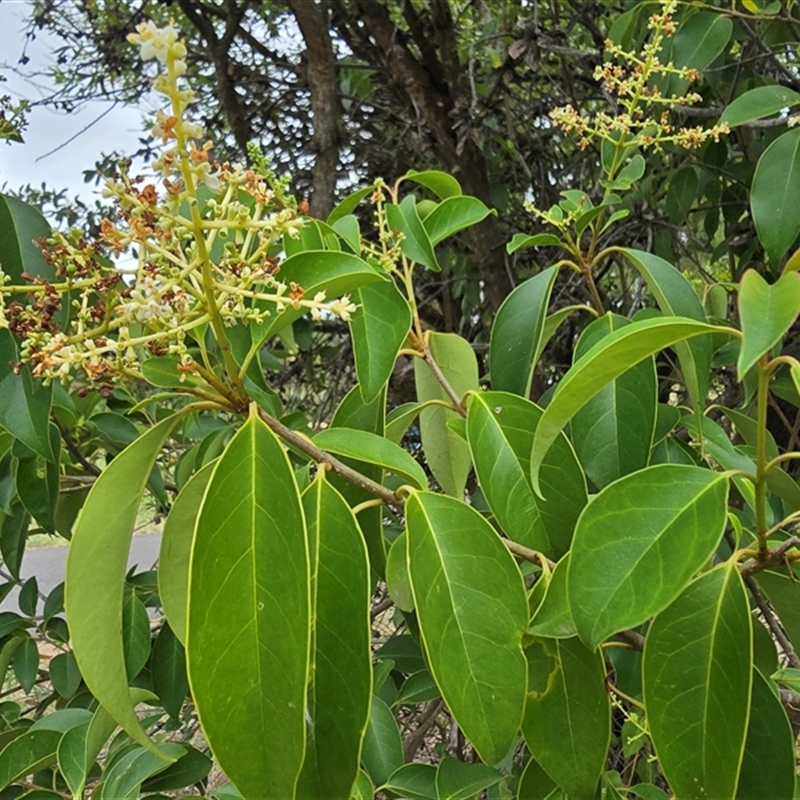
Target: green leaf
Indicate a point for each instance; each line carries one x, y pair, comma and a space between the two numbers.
379, 328
553, 618
699, 40
135, 635
24, 402
348, 205
64, 674
766, 313
517, 333
500, 430
28, 753
21, 226
456, 780
612, 433
382, 751
440, 183
168, 668
38, 485
334, 272
415, 781
783, 592
472, 612
26, 663
348, 228
248, 632
697, 683
398, 583
535, 783
768, 765
399, 420
520, 241
80, 746
453, 215
445, 451
608, 359
763, 101
639, 542
96, 568
374, 449
124, 777
191, 768
776, 185
176, 548
676, 297
341, 670
415, 242
567, 726
163, 371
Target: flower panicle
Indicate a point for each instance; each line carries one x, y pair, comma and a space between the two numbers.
208, 239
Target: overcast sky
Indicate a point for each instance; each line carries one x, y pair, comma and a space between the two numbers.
47, 130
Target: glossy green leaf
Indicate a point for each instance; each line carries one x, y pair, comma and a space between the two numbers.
135, 635
353, 412
80, 746
24, 402
21, 226
776, 185
26, 663
697, 683
341, 668
638, 543
191, 768
382, 752
334, 272
445, 451
348, 228
676, 297
123, 778
399, 420
567, 723
168, 669
440, 183
535, 783
96, 568
768, 765
608, 359
783, 592
472, 612
163, 372
28, 597
64, 674
176, 549
766, 313
379, 328
763, 101
398, 583
374, 449
415, 781
30, 752
415, 242
349, 204
453, 215
38, 484
698, 41
500, 430
520, 241
13, 536
553, 618
517, 333
457, 780
248, 631
613, 431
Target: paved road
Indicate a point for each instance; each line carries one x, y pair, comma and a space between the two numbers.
47, 564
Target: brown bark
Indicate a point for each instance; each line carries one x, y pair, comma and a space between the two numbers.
323, 83
437, 102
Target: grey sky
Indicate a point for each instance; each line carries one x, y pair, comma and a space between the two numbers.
25, 163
